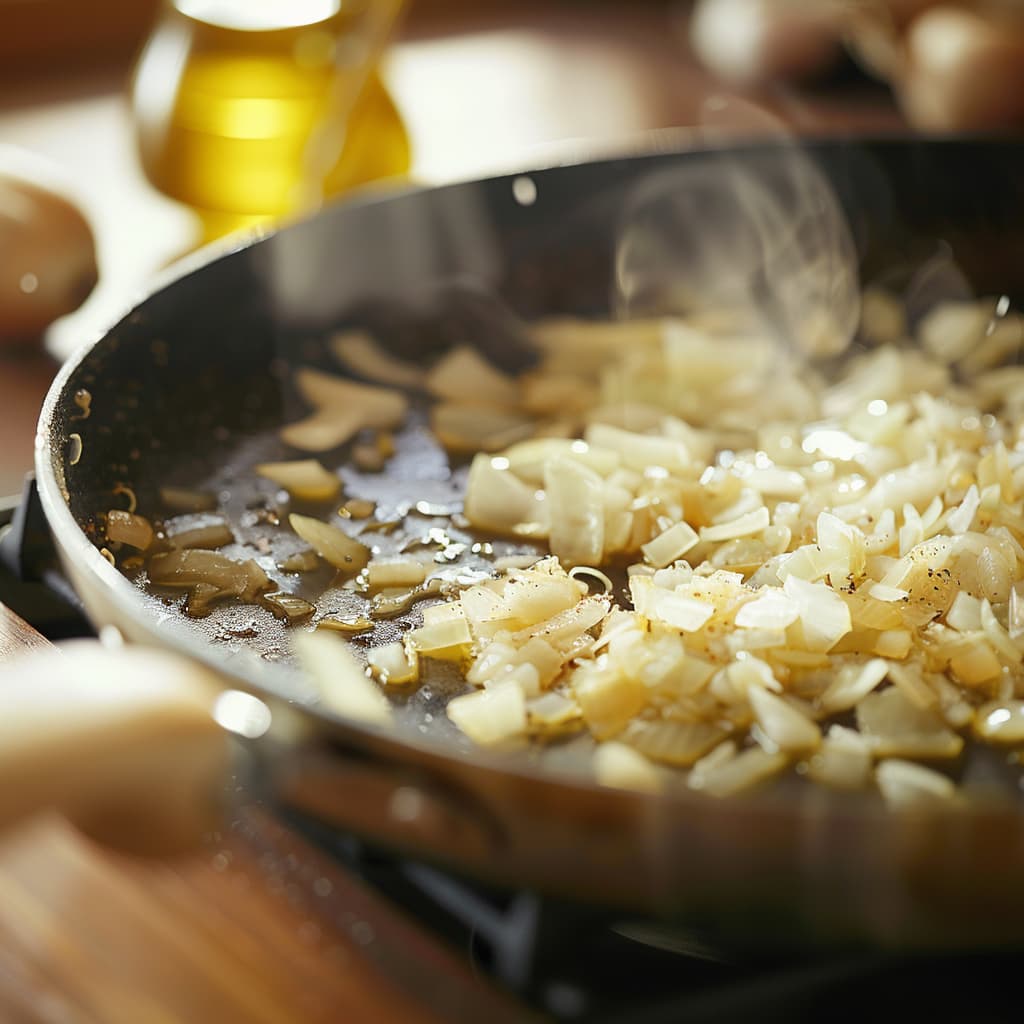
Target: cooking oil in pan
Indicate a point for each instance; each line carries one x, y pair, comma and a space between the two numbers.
230, 97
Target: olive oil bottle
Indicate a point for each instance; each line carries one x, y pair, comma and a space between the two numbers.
252, 111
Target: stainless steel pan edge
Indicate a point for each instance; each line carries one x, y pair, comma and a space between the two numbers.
750, 869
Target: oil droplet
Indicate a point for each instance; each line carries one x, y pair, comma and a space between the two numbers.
28, 283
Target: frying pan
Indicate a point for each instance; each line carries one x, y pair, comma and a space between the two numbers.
190, 387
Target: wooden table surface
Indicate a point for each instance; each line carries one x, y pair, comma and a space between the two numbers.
231, 934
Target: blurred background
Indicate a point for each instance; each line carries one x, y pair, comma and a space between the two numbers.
134, 131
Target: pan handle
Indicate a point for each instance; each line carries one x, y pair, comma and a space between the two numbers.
122, 742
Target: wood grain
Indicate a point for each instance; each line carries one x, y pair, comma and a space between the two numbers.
258, 926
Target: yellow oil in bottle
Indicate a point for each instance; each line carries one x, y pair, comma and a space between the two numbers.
251, 111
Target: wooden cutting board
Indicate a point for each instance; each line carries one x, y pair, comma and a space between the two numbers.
256, 928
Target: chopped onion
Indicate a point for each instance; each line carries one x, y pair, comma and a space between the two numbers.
395, 572
670, 545
186, 568
304, 479
621, 767
463, 375
394, 663
361, 354
341, 682
490, 717
128, 528
343, 408
904, 784
287, 606
575, 498
331, 543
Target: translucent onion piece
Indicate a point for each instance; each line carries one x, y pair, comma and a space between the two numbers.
340, 679
289, 607
128, 528
209, 536
1000, 721
395, 572
186, 568
905, 785
783, 724
670, 545
393, 663
621, 767
575, 498
331, 543
304, 479
490, 717
359, 352
463, 375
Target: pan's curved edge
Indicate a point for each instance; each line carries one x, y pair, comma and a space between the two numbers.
626, 848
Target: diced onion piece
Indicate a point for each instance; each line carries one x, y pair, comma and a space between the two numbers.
342, 408
382, 408
331, 543
202, 597
771, 609
395, 572
904, 784
639, 451
895, 727
551, 710
299, 561
744, 526
304, 479
728, 776
824, 615
782, 723
446, 639
976, 664
670, 545
960, 519
608, 699
360, 353
341, 682
1000, 721
496, 499
128, 528
527, 459
563, 629
964, 613
998, 637
490, 717
909, 680
186, 568
463, 375
894, 643
621, 767
474, 428
351, 624
677, 743
287, 606
393, 663
575, 496
843, 760
684, 613
208, 536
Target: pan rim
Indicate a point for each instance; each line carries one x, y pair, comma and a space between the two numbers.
273, 682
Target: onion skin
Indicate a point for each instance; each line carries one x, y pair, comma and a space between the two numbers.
48, 264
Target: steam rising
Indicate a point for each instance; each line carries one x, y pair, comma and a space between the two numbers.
757, 239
